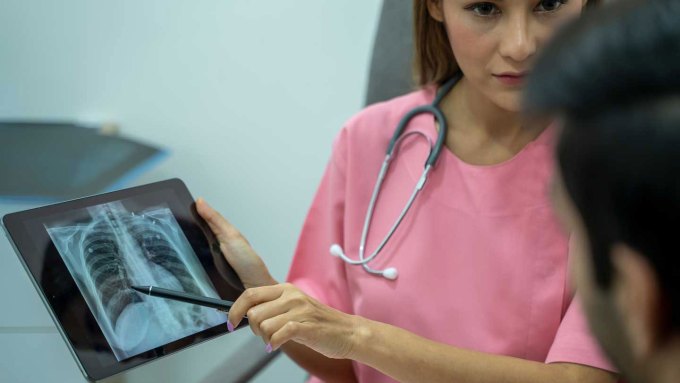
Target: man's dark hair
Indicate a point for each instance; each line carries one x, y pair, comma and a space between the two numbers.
614, 79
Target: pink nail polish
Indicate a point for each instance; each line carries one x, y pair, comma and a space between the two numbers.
230, 326
268, 348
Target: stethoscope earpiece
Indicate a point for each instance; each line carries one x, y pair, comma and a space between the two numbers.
433, 109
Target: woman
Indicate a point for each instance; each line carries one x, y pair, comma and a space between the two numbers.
481, 294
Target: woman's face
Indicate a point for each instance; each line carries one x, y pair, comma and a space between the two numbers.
495, 41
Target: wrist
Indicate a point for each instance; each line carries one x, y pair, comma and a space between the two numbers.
363, 335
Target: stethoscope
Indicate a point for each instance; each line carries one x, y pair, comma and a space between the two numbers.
433, 109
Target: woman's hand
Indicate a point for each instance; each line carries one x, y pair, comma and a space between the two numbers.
235, 247
254, 274
281, 313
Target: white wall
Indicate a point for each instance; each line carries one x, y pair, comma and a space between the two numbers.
247, 95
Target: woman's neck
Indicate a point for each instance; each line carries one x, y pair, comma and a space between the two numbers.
479, 131
473, 111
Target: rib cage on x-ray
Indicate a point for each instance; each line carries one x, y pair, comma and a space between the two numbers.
118, 248
107, 270
157, 248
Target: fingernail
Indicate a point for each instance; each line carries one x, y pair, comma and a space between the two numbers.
268, 348
230, 326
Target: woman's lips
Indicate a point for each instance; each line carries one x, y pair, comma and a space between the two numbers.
511, 79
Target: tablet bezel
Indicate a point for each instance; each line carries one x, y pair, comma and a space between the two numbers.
97, 364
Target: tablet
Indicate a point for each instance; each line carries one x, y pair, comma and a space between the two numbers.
83, 255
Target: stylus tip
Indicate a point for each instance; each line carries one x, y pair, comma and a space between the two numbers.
141, 289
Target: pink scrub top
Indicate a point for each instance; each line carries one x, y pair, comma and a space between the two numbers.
482, 259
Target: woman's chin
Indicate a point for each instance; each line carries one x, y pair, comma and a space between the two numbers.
510, 101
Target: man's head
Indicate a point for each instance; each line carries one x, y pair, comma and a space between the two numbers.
613, 80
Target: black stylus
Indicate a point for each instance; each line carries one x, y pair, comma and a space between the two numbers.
184, 297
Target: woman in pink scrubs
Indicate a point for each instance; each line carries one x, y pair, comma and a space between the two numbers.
482, 293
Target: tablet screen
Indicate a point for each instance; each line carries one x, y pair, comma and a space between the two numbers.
85, 254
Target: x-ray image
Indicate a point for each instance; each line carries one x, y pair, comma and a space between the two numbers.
109, 247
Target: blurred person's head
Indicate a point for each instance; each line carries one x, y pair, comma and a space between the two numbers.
613, 79
493, 42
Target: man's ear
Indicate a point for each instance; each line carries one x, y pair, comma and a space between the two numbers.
436, 9
638, 296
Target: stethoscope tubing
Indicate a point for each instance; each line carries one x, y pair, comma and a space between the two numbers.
435, 151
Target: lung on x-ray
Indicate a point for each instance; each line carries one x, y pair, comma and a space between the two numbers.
108, 247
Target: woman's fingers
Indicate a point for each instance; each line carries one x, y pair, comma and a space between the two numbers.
218, 224
270, 308
281, 313
262, 317
250, 298
269, 326
208, 214
235, 248
290, 330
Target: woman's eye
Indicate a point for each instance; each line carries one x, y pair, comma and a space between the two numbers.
550, 5
484, 9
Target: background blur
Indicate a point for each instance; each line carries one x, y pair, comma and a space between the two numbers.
246, 95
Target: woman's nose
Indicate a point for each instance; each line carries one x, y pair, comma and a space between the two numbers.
518, 40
